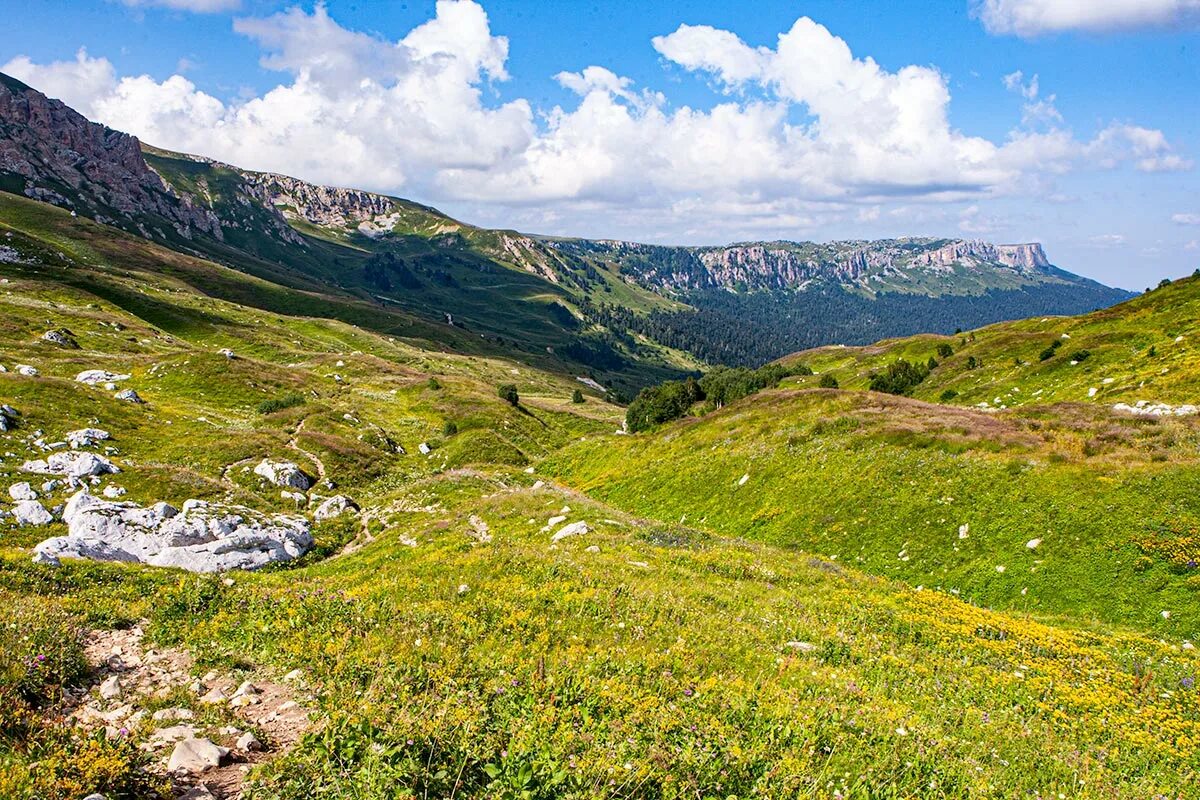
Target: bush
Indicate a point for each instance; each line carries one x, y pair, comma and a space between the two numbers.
280, 403
1050, 350
973, 363
434, 384
508, 393
900, 377
828, 381
577, 396
1079, 355
450, 428
931, 364
948, 395
944, 350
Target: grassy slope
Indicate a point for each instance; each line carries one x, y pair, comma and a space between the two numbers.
1120, 368
655, 667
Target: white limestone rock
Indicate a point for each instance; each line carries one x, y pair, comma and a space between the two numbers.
71, 464
195, 756
283, 473
94, 376
86, 437
31, 513
335, 506
203, 537
22, 491
574, 529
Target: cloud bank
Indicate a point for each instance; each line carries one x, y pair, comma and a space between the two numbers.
800, 134
1030, 18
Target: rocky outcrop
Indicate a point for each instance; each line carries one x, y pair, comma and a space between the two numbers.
202, 537
974, 253
64, 159
320, 205
72, 464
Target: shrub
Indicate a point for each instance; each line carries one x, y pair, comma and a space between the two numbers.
948, 395
931, 364
577, 396
280, 403
1079, 355
450, 428
508, 393
434, 384
973, 362
944, 350
1050, 350
900, 377
828, 381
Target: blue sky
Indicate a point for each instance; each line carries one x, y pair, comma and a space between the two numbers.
877, 119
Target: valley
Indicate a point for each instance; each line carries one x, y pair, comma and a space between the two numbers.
980, 583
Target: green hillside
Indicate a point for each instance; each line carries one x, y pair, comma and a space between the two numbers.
816, 630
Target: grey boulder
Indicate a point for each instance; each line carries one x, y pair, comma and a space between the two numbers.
283, 473
203, 537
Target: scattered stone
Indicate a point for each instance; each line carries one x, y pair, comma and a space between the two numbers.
1147, 409
225, 351
335, 506
247, 688
555, 520
248, 742
94, 376
129, 396
31, 513
196, 756
113, 492
743, 479
283, 473
964, 531
198, 792
72, 464
479, 530
86, 437
592, 548
573, 529
802, 647
8, 418
22, 491
60, 337
27, 371
110, 689
214, 697
176, 733
203, 537
1032, 544
425, 448
295, 676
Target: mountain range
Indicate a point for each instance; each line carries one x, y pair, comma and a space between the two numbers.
623, 312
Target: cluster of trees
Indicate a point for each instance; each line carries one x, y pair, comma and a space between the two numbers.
759, 327
901, 376
655, 405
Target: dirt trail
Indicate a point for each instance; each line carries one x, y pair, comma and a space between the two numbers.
294, 444
129, 679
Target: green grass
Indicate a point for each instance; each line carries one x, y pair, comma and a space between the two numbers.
656, 666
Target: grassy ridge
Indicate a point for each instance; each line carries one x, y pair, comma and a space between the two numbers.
1146, 348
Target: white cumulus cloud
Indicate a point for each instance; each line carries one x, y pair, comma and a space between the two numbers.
1186, 219
1030, 18
801, 134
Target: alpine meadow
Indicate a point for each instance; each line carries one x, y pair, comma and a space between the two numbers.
782, 461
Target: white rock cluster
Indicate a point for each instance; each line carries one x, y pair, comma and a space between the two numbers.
1147, 409
73, 464
203, 537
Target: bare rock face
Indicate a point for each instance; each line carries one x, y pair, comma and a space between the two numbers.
58, 152
320, 205
203, 537
335, 506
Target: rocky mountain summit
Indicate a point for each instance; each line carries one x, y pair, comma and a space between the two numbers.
51, 153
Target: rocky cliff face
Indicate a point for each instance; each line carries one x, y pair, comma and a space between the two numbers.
320, 205
51, 153
899, 264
